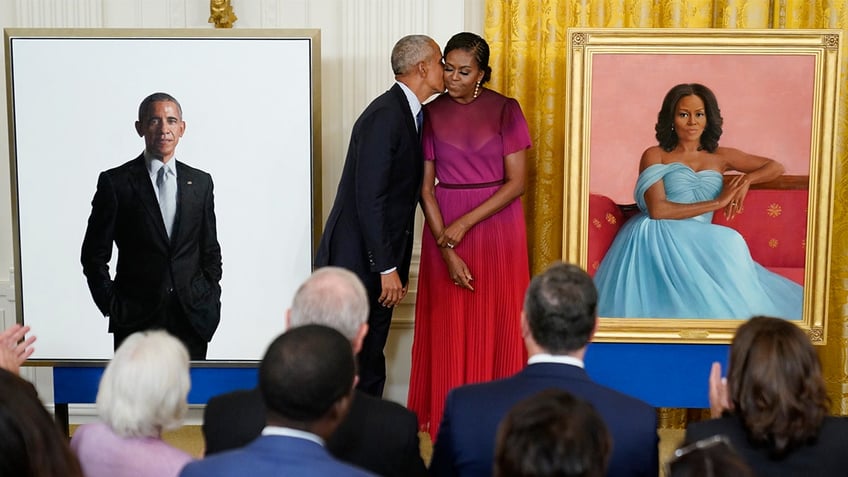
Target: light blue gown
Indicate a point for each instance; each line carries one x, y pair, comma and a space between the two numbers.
687, 268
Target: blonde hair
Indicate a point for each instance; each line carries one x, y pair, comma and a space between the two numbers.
145, 387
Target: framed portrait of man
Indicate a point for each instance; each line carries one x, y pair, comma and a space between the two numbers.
682, 245
249, 113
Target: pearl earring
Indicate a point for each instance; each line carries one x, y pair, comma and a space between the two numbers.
476, 90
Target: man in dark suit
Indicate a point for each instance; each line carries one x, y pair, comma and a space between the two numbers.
370, 228
558, 321
161, 215
377, 435
306, 379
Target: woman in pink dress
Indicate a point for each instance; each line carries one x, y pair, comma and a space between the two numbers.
474, 267
142, 393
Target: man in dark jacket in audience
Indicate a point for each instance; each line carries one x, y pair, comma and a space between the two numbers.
558, 322
377, 435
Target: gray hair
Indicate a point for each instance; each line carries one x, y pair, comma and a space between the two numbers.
145, 387
409, 51
332, 297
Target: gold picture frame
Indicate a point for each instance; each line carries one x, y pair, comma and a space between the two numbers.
639, 65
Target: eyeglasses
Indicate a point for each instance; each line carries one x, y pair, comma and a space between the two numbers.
706, 443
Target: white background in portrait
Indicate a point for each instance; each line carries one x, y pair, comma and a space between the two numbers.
247, 103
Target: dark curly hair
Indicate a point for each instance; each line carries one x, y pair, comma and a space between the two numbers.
477, 46
775, 383
665, 119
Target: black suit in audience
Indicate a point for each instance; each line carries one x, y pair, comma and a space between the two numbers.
558, 322
828, 455
377, 435
773, 404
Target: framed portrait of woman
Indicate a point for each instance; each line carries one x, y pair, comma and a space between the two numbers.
699, 178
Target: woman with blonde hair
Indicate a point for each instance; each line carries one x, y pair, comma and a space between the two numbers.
142, 393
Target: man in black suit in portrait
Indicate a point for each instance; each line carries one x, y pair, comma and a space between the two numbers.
161, 215
370, 228
377, 435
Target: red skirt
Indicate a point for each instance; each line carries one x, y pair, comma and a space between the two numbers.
461, 336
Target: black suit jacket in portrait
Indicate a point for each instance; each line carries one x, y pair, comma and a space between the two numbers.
465, 445
826, 456
369, 229
377, 435
150, 267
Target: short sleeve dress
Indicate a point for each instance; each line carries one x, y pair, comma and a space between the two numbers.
463, 336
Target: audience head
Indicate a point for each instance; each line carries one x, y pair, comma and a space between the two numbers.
667, 137
476, 46
31, 444
775, 384
307, 376
332, 297
552, 434
710, 457
560, 308
144, 388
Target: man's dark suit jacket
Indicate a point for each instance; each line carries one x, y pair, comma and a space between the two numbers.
377, 435
370, 227
826, 456
150, 266
466, 441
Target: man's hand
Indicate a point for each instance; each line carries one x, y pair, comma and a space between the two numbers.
393, 290
13, 351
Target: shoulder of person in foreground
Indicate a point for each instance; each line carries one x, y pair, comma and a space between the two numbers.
236, 463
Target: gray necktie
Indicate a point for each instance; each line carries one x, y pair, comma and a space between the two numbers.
165, 184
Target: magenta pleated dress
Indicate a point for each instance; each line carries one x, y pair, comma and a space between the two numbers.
462, 336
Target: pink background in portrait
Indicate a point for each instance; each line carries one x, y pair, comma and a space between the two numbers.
765, 100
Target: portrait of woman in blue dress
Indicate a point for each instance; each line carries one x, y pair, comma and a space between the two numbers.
670, 260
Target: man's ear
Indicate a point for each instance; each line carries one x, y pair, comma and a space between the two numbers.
139, 128
359, 338
525, 328
340, 408
594, 330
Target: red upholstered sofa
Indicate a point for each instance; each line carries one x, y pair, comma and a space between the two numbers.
773, 223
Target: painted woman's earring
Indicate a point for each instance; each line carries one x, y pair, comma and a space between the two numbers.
476, 89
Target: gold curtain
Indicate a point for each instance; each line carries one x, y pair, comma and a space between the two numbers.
528, 42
